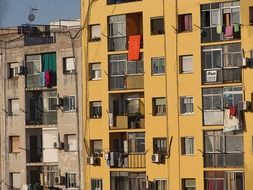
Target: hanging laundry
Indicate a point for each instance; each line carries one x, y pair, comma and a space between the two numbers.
134, 48
42, 78
219, 28
48, 78
232, 111
236, 28
229, 32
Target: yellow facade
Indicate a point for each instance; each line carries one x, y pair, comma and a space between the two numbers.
172, 84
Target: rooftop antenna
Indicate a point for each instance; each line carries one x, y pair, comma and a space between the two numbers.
31, 16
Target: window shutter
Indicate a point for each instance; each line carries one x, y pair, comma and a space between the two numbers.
187, 63
16, 181
15, 144
95, 32
70, 64
15, 107
72, 142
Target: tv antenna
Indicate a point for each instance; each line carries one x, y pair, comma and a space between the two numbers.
33, 10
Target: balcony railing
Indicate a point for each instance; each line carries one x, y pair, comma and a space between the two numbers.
130, 160
46, 118
135, 121
119, 43
126, 82
223, 160
28, 40
226, 75
34, 156
33, 81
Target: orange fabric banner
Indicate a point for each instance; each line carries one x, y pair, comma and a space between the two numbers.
134, 47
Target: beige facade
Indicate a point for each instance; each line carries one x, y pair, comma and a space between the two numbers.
40, 107
170, 119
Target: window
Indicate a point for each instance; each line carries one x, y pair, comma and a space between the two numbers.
251, 15
14, 144
136, 142
71, 180
186, 63
70, 143
157, 26
223, 149
185, 23
96, 184
159, 106
50, 101
96, 148
15, 180
217, 180
160, 146
158, 65
187, 145
95, 34
186, 105
13, 107
95, 71
188, 184
96, 109
160, 184
69, 103
13, 70
68, 65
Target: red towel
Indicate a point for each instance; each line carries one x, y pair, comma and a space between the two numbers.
229, 32
134, 47
233, 111
47, 78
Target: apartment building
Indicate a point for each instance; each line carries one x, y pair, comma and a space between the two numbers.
40, 112
167, 94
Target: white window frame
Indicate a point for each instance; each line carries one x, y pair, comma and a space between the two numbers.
15, 68
71, 103
186, 100
68, 186
95, 72
158, 59
184, 187
93, 116
69, 148
95, 35
155, 109
182, 63
184, 146
65, 65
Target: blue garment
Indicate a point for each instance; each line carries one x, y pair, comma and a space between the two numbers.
42, 78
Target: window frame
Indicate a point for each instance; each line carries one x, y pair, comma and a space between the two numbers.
158, 186
65, 71
98, 182
91, 38
67, 182
161, 65
181, 64
71, 108
182, 28
158, 145
11, 180
251, 15
66, 143
93, 150
188, 187
93, 75
13, 71
154, 32
155, 108
11, 148
100, 110
136, 139
10, 107
182, 101
184, 150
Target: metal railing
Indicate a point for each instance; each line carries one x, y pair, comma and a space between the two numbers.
223, 160
110, 2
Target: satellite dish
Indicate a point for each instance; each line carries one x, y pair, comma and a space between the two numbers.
31, 17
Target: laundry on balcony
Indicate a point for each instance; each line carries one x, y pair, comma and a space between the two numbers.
232, 120
229, 32
134, 47
42, 79
110, 119
219, 28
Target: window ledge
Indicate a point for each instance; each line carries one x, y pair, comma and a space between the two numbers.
187, 114
95, 79
158, 74
71, 111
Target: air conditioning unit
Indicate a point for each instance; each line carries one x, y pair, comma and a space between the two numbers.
243, 105
156, 158
56, 145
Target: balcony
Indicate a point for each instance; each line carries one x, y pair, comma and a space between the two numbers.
34, 153
213, 160
129, 122
126, 82
120, 43
226, 75
131, 160
111, 2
